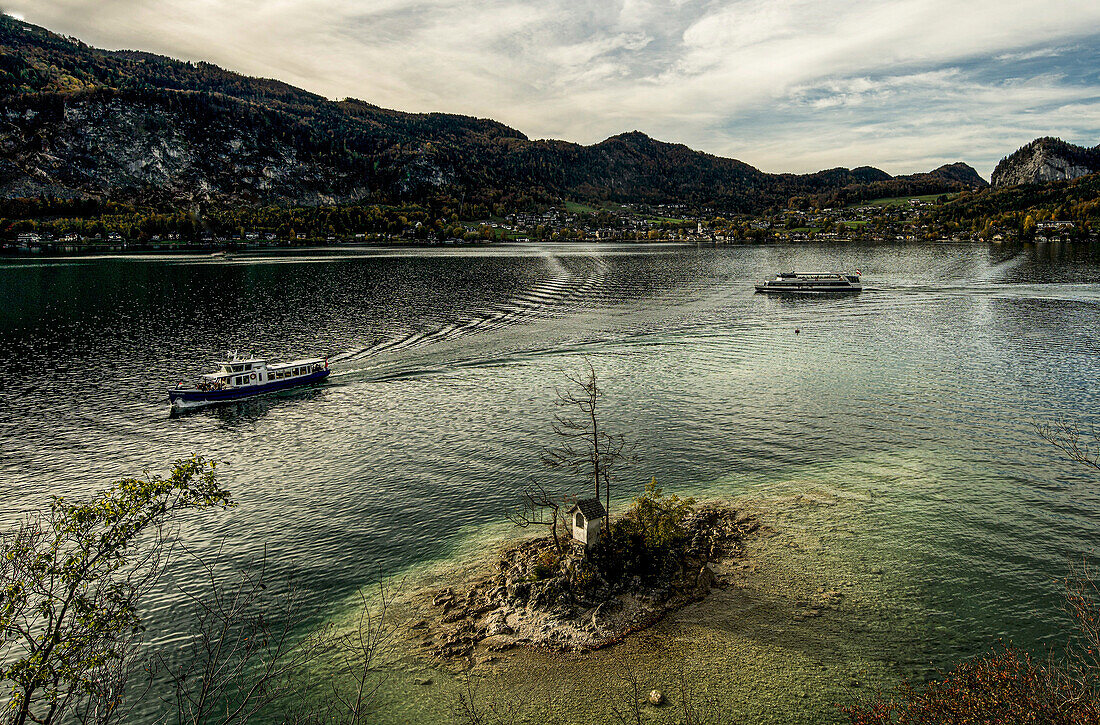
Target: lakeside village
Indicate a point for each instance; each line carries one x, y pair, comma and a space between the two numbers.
902, 219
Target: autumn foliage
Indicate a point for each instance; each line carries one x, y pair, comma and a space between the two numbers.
1008, 686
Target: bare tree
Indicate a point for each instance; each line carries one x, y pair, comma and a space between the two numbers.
698, 706
244, 655
487, 703
360, 652
626, 697
586, 447
539, 508
1067, 437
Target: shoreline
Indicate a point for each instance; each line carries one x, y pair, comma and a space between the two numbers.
794, 631
218, 250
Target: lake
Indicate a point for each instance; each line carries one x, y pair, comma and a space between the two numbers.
899, 421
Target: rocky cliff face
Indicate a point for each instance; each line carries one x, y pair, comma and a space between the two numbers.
1046, 159
134, 146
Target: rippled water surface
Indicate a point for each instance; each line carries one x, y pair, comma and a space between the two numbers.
916, 400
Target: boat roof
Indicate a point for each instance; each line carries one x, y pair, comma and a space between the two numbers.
294, 363
810, 277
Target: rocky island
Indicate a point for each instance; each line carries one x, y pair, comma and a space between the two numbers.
661, 555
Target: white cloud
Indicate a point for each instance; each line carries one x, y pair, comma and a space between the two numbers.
785, 84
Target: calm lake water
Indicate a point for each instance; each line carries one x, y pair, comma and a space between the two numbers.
915, 400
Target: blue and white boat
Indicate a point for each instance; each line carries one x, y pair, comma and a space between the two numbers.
239, 378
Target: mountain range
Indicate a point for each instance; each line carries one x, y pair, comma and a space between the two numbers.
79, 121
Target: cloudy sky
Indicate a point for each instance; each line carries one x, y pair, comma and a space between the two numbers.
786, 85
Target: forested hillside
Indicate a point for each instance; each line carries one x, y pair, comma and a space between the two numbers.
139, 128
1018, 210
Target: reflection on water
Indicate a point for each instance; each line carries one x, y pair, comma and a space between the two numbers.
1085, 252
911, 403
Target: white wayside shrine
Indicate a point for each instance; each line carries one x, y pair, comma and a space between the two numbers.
587, 516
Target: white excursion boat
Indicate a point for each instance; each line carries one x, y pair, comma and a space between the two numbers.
239, 378
813, 283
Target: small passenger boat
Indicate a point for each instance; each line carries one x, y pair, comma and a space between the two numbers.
239, 378
814, 283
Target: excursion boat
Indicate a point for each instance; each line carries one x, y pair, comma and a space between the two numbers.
238, 378
814, 283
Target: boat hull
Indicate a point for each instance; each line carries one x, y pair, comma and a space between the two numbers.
194, 398
808, 289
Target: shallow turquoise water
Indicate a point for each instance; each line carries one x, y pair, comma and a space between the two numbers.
915, 400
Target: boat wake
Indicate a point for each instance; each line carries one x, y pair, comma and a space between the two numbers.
554, 296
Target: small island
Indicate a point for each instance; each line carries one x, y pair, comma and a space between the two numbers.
562, 594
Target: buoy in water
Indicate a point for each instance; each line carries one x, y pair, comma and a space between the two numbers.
796, 331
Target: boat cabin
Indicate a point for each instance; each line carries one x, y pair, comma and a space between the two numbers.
814, 282
235, 373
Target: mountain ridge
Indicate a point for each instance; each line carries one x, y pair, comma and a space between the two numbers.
83, 121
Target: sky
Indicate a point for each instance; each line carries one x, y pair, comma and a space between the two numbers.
785, 85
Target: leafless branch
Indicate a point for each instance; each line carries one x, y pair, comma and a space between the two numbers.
488, 703
538, 507
626, 696
244, 655
360, 652
585, 446
697, 704
1067, 437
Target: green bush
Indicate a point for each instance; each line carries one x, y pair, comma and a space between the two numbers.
647, 538
656, 519
546, 565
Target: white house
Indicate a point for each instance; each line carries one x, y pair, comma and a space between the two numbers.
587, 517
